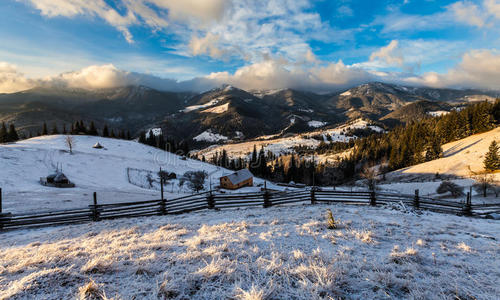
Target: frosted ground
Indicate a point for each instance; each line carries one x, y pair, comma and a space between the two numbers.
274, 253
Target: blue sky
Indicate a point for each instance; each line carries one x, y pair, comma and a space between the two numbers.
254, 44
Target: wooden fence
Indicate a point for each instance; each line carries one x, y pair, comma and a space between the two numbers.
209, 200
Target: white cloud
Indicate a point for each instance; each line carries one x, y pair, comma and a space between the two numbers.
493, 7
478, 69
206, 45
247, 29
345, 11
389, 54
11, 80
468, 13
94, 8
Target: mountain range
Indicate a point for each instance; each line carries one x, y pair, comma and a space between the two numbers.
228, 113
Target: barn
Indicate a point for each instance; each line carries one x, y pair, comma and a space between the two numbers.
237, 180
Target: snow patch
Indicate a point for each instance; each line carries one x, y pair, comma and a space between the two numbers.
209, 136
316, 124
196, 107
438, 113
155, 131
217, 109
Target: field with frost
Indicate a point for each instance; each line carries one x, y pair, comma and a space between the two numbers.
274, 253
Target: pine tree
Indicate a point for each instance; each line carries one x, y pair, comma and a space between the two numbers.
4, 138
12, 134
44, 129
142, 137
492, 158
129, 137
54, 129
92, 129
105, 131
64, 129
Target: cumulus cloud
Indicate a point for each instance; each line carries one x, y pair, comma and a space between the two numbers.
137, 11
389, 54
468, 13
11, 80
493, 7
94, 8
206, 45
478, 69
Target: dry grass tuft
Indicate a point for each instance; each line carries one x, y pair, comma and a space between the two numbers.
90, 291
464, 247
407, 256
253, 294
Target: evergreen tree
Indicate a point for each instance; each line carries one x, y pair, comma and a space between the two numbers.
223, 159
4, 138
105, 131
129, 136
54, 129
92, 129
492, 158
142, 137
12, 134
112, 134
44, 129
64, 129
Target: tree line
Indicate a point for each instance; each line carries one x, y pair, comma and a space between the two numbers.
168, 144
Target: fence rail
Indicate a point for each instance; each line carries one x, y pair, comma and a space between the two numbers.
209, 200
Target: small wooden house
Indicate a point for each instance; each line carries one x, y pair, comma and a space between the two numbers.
237, 180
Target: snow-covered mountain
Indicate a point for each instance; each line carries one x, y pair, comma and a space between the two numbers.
227, 111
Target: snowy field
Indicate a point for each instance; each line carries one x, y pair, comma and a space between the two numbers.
92, 170
274, 253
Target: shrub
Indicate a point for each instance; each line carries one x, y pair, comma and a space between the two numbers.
453, 188
194, 179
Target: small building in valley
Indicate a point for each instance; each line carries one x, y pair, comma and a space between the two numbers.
237, 180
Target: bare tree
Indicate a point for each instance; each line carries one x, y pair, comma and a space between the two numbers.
70, 143
369, 174
484, 182
194, 179
448, 186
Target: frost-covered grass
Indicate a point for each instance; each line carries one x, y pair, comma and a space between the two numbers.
274, 253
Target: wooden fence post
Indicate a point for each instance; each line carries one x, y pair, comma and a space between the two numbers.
416, 200
1, 222
467, 209
267, 199
95, 211
211, 200
373, 198
313, 196
163, 203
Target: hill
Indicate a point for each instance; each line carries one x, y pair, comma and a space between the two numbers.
92, 170
459, 157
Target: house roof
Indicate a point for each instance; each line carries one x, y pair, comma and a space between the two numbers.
239, 176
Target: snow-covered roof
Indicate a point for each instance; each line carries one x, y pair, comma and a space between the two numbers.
239, 176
